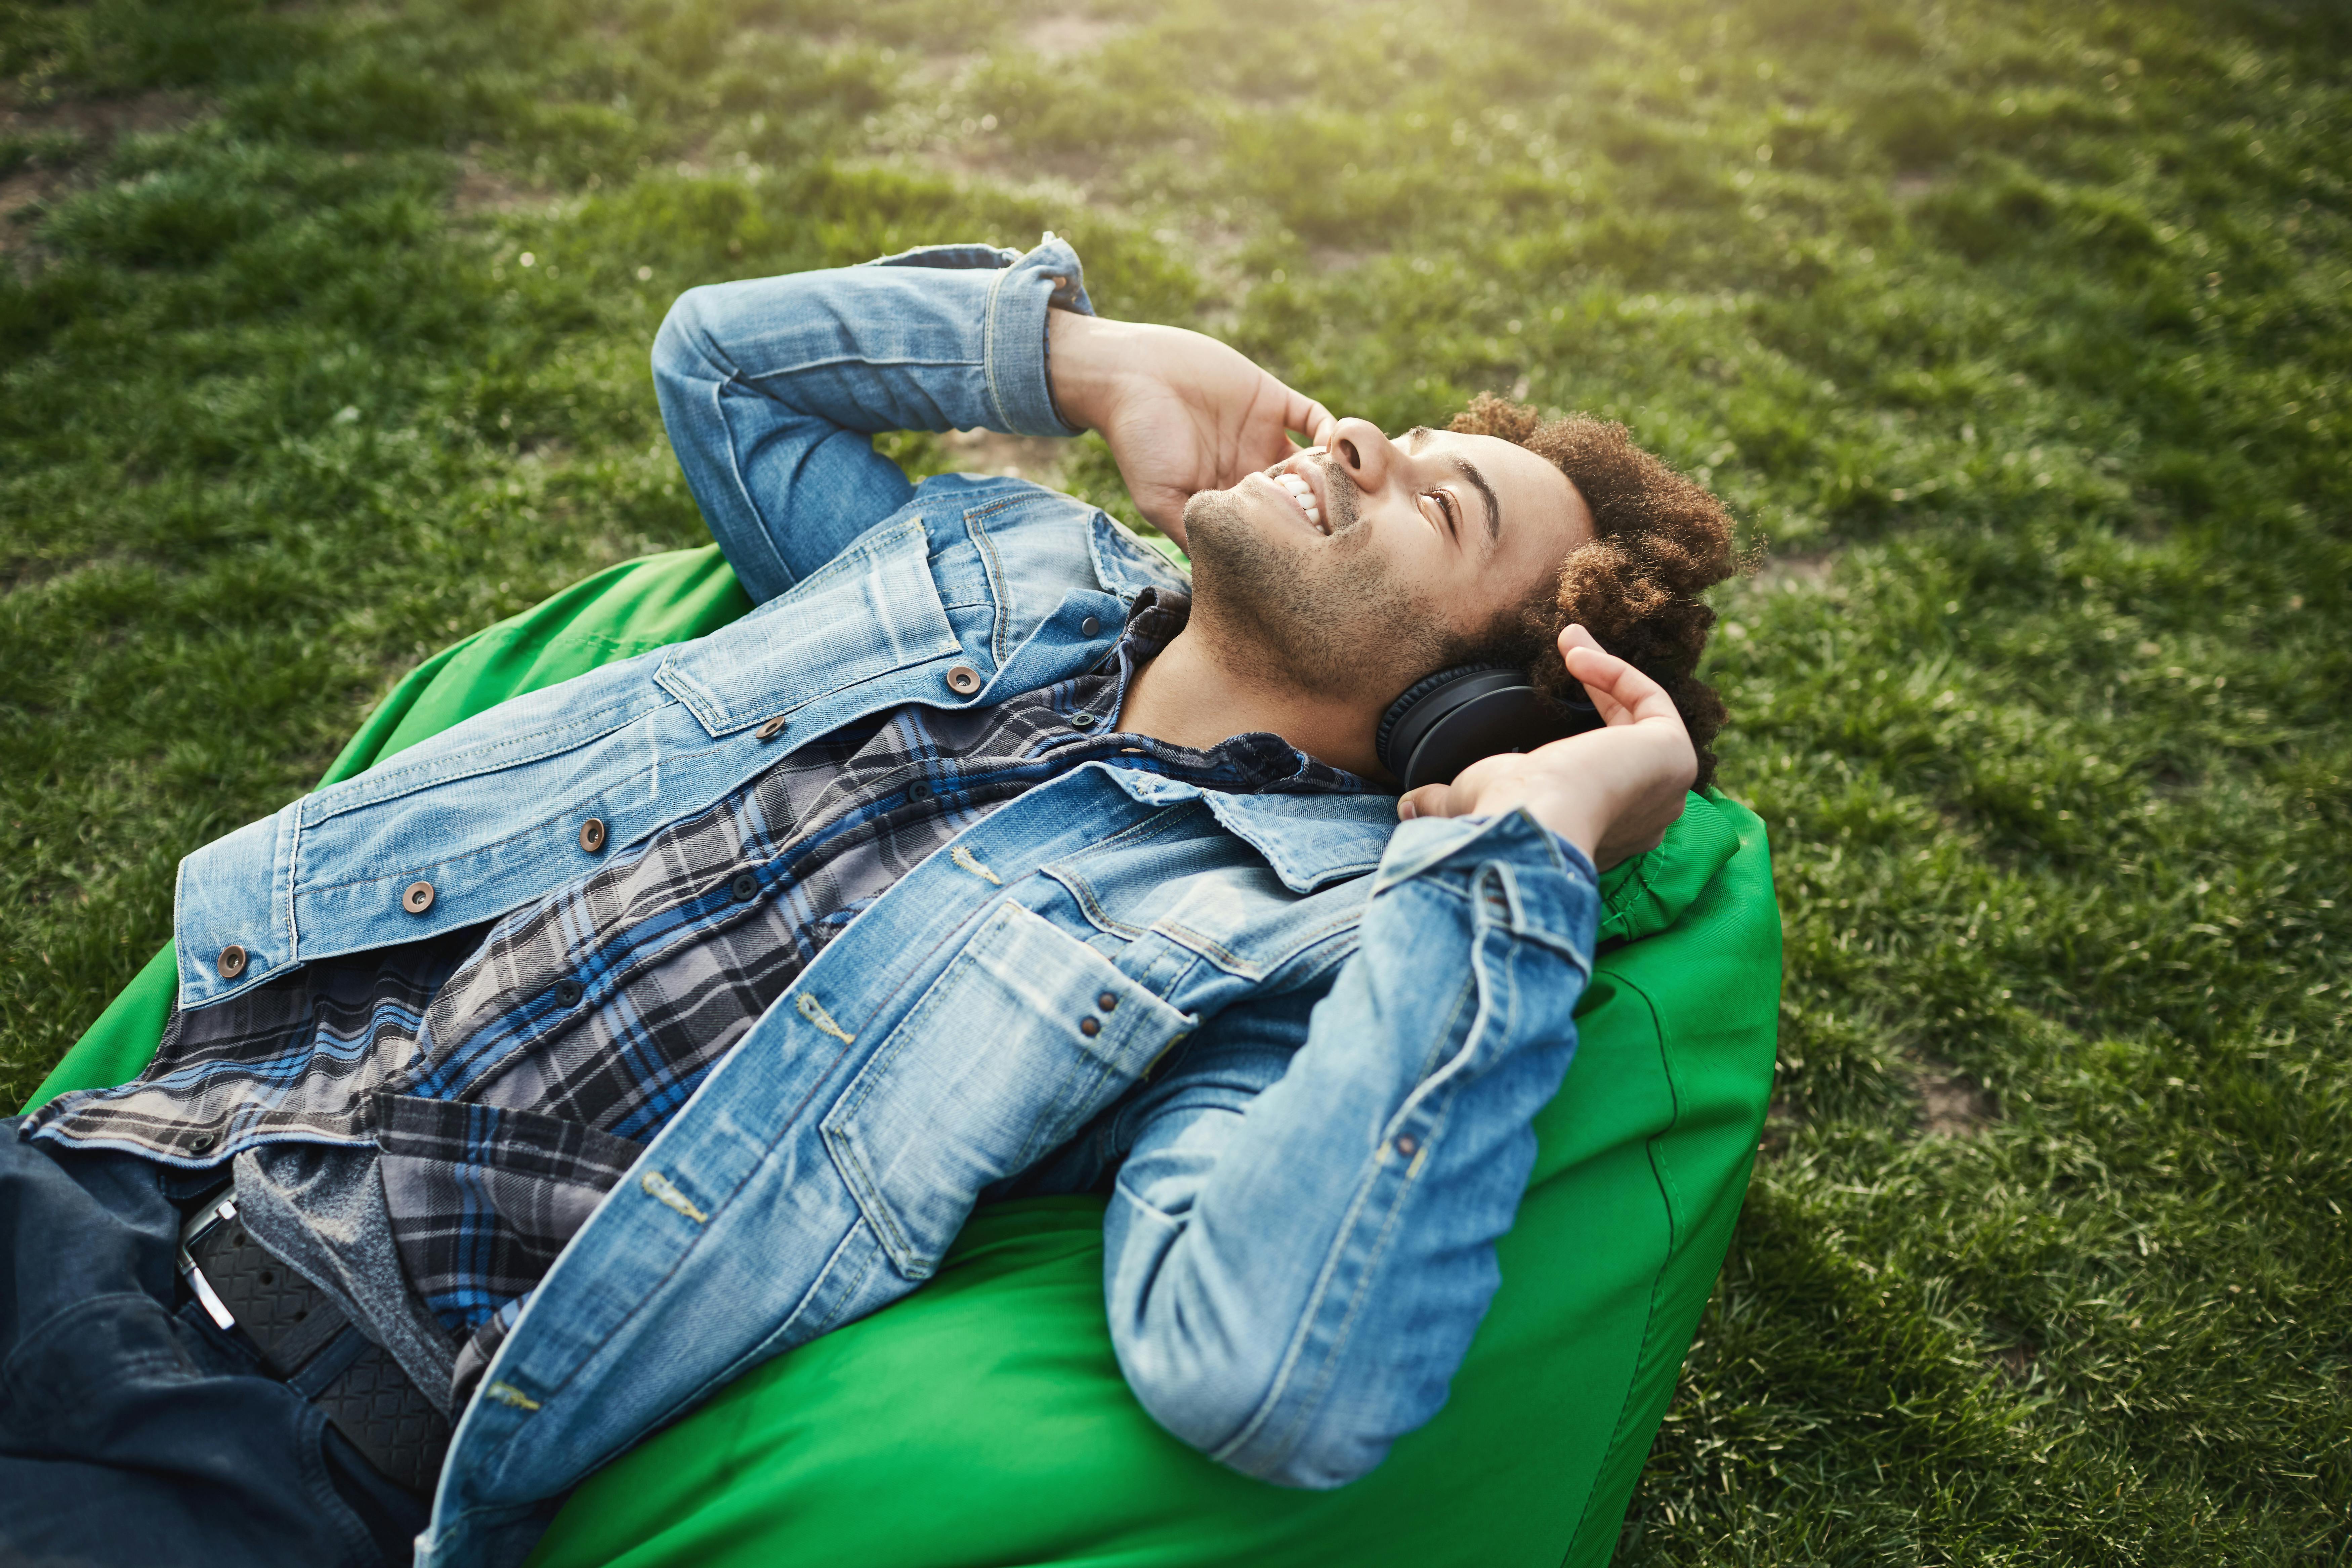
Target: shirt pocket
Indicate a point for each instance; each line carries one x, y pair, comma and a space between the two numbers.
1018, 1044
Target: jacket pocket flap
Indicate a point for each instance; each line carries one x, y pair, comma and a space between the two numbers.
872, 610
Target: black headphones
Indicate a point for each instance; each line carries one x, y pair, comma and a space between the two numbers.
1446, 721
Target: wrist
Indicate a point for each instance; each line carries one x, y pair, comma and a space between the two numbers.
1080, 359
1575, 822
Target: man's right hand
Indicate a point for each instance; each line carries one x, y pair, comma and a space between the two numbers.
1611, 792
1182, 413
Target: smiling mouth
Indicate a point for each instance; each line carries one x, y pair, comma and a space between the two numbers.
1301, 495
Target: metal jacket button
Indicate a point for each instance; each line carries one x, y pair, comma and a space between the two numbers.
1407, 1145
418, 898
592, 835
1089, 626
1090, 1027
745, 887
231, 961
1107, 1001
771, 730
962, 680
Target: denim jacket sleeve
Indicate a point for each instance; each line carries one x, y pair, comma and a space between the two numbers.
771, 388
1301, 1242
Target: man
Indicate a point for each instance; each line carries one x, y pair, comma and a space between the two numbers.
578, 1058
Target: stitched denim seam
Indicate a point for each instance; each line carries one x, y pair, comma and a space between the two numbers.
766, 532
1280, 1384
477, 761
976, 529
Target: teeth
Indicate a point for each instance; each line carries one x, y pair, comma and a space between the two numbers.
1304, 497
1302, 493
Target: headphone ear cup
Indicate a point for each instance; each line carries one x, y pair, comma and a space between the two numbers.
1411, 701
1446, 721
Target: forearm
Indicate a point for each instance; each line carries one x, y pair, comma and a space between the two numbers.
771, 387
1292, 1287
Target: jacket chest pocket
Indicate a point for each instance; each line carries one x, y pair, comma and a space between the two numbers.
874, 610
1027, 1035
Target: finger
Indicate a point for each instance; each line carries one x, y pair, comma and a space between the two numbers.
1574, 638
1606, 674
1475, 789
1299, 412
1429, 800
1309, 417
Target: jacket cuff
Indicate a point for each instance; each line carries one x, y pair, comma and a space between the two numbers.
1552, 892
1020, 394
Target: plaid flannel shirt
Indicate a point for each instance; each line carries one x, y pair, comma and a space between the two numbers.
510, 1074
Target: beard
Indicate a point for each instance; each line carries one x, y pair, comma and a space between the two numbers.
1290, 614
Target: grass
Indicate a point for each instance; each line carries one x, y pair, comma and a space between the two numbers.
2020, 329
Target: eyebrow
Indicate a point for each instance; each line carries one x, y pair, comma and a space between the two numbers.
1469, 471
1485, 493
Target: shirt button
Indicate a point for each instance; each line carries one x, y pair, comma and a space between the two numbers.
418, 898
771, 730
918, 790
592, 835
745, 887
1089, 626
567, 992
1082, 720
963, 679
1407, 1145
1090, 1027
231, 961
201, 1142
1107, 1001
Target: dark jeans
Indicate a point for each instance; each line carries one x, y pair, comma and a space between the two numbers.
133, 1431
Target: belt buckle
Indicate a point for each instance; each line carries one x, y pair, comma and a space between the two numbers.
212, 1211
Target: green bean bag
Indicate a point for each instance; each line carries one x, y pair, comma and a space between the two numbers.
982, 1419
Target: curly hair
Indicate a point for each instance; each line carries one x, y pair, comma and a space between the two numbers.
1659, 540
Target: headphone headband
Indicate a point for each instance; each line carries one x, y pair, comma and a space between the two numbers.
1446, 721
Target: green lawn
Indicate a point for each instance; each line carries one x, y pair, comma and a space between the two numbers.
2020, 331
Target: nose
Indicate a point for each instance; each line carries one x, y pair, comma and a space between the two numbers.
1364, 452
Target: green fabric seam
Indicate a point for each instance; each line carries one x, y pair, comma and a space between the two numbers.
1657, 1280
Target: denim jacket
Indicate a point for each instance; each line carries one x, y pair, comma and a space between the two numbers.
1301, 1043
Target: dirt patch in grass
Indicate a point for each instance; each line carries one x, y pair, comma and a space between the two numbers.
480, 189
98, 120
2015, 1364
49, 148
1037, 458
1952, 1104
1796, 570
1058, 38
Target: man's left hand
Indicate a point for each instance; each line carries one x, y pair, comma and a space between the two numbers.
1611, 792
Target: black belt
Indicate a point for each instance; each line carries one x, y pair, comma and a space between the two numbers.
305, 1338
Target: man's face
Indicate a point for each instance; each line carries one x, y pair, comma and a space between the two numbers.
1355, 571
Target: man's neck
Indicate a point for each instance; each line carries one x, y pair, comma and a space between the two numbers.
1188, 696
